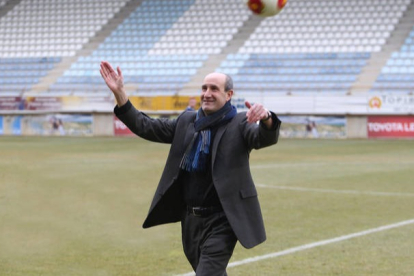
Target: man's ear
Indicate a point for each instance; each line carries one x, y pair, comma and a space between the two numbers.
229, 94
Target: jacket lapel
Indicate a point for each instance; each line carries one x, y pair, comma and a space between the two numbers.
189, 133
217, 138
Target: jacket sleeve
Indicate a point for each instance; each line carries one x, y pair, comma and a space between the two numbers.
259, 136
155, 130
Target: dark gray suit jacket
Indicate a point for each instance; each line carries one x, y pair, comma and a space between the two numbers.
230, 168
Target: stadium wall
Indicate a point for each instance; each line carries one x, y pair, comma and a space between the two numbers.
294, 126
356, 126
317, 116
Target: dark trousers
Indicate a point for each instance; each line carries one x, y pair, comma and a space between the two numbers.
208, 243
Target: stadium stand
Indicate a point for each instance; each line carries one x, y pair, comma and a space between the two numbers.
17, 75
51, 28
312, 47
397, 76
128, 47
162, 46
35, 35
190, 35
294, 73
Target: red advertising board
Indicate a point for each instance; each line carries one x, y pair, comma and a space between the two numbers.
390, 126
120, 129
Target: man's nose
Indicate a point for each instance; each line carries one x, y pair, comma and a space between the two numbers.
207, 93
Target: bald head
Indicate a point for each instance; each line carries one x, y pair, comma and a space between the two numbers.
226, 79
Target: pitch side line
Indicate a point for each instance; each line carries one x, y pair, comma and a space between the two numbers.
313, 164
315, 244
302, 189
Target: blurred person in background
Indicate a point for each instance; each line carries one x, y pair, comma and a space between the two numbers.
206, 183
192, 102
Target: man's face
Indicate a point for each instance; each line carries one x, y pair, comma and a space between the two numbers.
213, 94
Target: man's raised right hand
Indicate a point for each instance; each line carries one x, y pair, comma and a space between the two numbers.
115, 82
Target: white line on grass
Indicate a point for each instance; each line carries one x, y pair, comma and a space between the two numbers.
315, 244
282, 165
319, 164
355, 192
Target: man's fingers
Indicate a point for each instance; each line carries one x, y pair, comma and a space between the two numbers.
119, 71
256, 112
104, 69
108, 72
107, 67
103, 73
248, 105
250, 112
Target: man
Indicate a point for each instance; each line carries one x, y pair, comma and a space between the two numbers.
192, 102
206, 183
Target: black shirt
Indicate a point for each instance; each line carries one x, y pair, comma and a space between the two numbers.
198, 188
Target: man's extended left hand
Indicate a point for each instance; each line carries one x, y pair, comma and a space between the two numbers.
256, 112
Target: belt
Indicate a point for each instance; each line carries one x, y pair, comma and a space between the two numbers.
203, 211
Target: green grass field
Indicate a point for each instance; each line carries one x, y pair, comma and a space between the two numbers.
75, 206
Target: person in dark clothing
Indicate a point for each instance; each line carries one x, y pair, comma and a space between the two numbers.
206, 183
